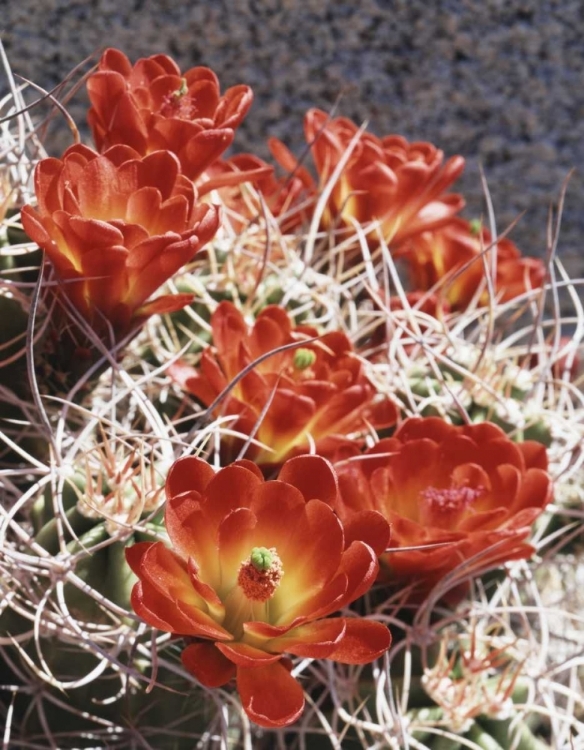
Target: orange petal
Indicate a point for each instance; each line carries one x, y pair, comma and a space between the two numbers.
167, 573
280, 511
208, 664
327, 599
269, 695
312, 557
234, 544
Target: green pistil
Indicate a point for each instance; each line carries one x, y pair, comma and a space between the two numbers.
303, 358
184, 89
475, 226
261, 558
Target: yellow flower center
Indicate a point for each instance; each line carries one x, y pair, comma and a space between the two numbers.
260, 575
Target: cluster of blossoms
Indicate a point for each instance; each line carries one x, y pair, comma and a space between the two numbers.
317, 463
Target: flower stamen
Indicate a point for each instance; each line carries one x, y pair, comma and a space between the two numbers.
260, 575
442, 504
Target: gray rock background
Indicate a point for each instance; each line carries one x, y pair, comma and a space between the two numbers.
499, 81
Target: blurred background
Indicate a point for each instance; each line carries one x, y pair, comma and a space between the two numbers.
500, 82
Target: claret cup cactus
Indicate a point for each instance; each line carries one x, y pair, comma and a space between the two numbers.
290, 453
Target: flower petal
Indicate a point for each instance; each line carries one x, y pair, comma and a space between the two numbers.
188, 474
245, 655
368, 526
363, 641
314, 476
208, 664
270, 695
315, 640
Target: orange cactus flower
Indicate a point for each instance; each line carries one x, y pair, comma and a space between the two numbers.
152, 106
400, 184
442, 254
469, 487
316, 394
115, 227
255, 571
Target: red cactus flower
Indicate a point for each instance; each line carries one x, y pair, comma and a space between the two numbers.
469, 487
317, 393
255, 571
115, 227
152, 106
402, 185
452, 254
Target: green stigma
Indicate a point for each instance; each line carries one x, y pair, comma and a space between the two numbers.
261, 558
303, 358
183, 89
475, 226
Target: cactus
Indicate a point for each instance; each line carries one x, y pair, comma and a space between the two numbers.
84, 455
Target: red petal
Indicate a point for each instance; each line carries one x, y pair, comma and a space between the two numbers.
315, 640
186, 475
360, 564
135, 553
232, 487
160, 170
167, 303
370, 527
203, 149
313, 476
270, 695
245, 655
208, 664
164, 614
364, 641
34, 227
193, 534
